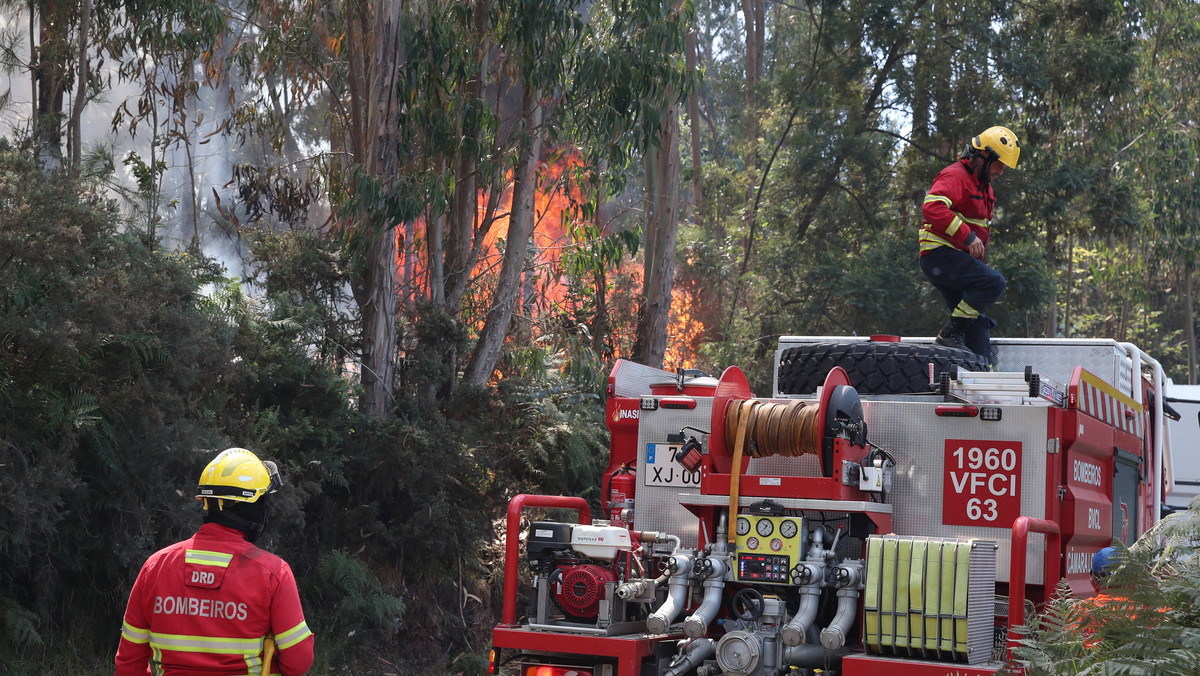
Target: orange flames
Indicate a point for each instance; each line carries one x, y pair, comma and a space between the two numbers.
684, 329
546, 301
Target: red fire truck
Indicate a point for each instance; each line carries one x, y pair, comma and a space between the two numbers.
894, 507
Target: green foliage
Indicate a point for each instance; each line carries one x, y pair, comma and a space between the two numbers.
124, 365
355, 594
622, 75
558, 415
1149, 623
303, 277
107, 362
20, 625
1029, 287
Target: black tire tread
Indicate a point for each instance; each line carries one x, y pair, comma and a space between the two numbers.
873, 367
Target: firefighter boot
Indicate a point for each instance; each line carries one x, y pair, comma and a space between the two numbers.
951, 334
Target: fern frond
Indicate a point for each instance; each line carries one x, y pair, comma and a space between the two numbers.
360, 594
20, 625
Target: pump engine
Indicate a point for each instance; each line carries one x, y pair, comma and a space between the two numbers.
576, 569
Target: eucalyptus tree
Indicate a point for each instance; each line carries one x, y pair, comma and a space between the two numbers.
1165, 151
829, 138
538, 36
1076, 125
661, 159
78, 53
438, 109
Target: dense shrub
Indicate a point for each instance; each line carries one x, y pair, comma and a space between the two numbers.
113, 377
124, 366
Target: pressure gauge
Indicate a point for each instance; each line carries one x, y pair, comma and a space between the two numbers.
752, 543
765, 527
743, 525
788, 529
776, 544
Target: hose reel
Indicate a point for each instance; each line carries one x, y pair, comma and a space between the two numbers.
790, 429
752, 428
795, 428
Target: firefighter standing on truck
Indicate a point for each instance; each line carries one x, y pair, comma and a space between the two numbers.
215, 603
954, 236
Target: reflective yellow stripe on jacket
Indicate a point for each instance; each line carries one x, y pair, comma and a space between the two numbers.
135, 634
206, 558
249, 648
931, 240
222, 645
291, 637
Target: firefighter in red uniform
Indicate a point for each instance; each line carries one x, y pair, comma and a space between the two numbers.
954, 237
215, 603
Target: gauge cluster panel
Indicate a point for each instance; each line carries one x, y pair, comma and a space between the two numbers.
768, 547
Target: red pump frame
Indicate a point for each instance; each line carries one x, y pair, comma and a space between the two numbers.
512, 541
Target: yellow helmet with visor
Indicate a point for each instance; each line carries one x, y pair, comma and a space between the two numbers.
1001, 142
238, 475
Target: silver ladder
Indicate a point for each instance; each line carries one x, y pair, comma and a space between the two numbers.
1002, 387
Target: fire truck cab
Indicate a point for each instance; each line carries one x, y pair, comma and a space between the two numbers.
893, 507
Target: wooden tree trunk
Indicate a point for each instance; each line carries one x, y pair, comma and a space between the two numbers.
462, 234
50, 78
1051, 326
459, 234
379, 325
435, 226
662, 220
1190, 325
376, 292
752, 16
462, 231
408, 264
520, 224
85, 21
694, 118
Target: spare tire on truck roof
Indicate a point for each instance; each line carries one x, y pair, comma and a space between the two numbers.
874, 366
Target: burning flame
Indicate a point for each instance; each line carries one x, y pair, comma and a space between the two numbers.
546, 301
684, 328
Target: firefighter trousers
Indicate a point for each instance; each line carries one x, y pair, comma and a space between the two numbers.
960, 277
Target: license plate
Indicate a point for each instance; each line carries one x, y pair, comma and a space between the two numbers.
663, 470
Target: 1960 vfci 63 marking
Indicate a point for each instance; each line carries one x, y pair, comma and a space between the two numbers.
981, 482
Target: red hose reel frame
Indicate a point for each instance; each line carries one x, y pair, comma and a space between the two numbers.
716, 473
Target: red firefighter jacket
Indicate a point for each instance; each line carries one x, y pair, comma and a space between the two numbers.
957, 209
207, 604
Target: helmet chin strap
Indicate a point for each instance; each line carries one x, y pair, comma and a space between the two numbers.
985, 170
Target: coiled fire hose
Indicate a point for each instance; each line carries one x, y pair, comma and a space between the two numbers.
758, 429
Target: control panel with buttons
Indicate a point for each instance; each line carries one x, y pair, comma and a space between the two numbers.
768, 547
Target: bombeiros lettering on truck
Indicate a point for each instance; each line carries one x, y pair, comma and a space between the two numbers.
1088, 473
847, 521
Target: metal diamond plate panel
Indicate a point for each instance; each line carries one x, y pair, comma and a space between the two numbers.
1058, 359
632, 379
656, 504
916, 437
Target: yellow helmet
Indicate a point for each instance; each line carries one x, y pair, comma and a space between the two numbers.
238, 475
1001, 141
